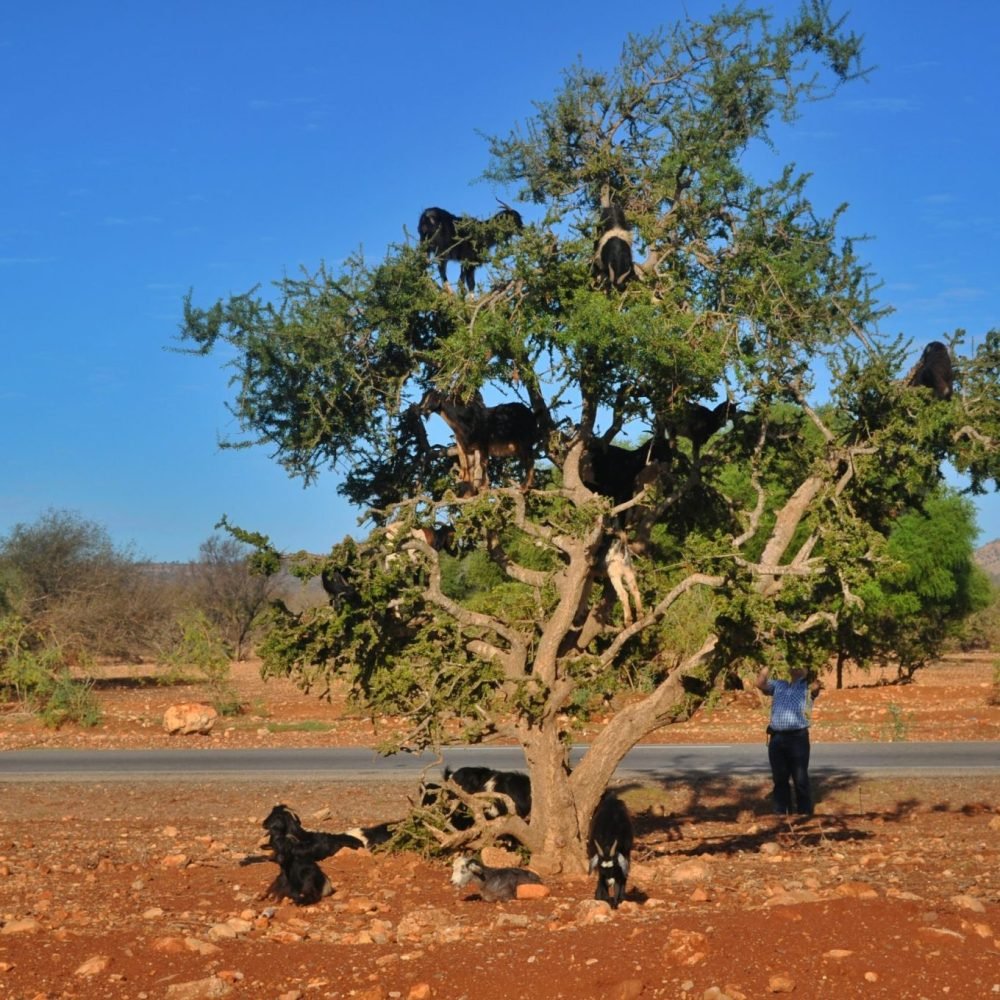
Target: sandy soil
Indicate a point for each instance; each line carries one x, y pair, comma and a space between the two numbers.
136, 891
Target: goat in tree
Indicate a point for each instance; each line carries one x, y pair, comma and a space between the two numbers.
509, 429
612, 266
464, 239
934, 370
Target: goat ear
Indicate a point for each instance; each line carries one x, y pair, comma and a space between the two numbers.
623, 864
593, 861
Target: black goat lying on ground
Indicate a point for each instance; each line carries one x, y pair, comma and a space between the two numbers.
464, 239
296, 850
281, 822
492, 884
934, 370
300, 879
610, 848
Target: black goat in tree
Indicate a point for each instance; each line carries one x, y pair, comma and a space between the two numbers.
934, 370
612, 267
464, 239
509, 429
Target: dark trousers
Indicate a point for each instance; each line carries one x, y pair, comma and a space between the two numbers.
788, 754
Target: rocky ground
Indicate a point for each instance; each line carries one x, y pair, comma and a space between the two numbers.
892, 890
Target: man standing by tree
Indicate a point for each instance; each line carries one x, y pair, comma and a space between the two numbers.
788, 738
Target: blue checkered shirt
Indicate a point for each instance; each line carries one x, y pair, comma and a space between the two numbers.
791, 703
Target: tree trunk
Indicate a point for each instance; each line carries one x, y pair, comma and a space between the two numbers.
557, 843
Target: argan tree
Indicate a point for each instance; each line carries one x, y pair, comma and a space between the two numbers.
742, 353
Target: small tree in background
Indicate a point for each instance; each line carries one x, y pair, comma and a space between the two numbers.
753, 544
77, 591
225, 588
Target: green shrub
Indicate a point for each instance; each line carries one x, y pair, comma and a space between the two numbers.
35, 675
200, 649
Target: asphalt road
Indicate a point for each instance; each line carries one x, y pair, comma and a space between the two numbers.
650, 762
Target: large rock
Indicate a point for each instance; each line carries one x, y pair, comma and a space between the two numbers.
191, 717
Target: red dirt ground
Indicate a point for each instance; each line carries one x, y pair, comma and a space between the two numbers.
892, 890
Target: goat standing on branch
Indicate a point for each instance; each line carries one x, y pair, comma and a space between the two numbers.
464, 239
509, 429
612, 267
934, 371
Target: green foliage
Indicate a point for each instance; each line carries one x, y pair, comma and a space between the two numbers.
36, 676
199, 648
780, 537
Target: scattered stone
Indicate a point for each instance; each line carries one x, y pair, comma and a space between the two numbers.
781, 982
168, 945
430, 924
421, 991
691, 871
964, 902
26, 925
838, 953
190, 718
175, 861
497, 857
592, 911
685, 947
200, 947
627, 989
940, 934
856, 890
532, 890
199, 989
93, 966
152, 913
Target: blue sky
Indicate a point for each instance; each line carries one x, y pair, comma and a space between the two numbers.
149, 149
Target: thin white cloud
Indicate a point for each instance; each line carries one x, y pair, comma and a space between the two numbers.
892, 105
134, 220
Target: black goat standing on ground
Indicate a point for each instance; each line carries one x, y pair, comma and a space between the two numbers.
610, 848
464, 239
934, 370
612, 267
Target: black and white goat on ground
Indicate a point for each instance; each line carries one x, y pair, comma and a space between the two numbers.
934, 370
464, 239
609, 848
502, 791
492, 884
509, 429
612, 266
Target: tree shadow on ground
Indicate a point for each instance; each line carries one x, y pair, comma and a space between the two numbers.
691, 813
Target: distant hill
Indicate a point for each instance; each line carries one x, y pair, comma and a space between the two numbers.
988, 559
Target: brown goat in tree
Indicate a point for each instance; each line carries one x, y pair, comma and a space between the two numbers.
507, 430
